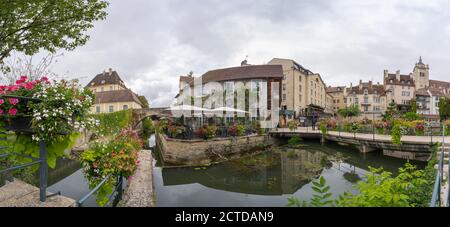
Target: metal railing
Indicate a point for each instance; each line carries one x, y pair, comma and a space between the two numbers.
436, 200
41, 161
118, 189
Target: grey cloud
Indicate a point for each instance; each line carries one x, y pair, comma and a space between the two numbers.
152, 42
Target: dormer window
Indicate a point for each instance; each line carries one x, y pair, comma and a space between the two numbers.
366, 92
103, 81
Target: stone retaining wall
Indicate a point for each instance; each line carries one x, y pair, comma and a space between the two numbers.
140, 187
202, 152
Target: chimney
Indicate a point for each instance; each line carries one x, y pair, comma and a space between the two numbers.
104, 72
386, 72
397, 75
110, 71
360, 84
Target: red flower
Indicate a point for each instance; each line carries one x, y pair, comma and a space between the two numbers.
45, 79
2, 101
1, 112
12, 112
29, 86
24, 78
13, 101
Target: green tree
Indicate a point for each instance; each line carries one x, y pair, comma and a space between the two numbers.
144, 101
392, 112
29, 26
352, 111
444, 108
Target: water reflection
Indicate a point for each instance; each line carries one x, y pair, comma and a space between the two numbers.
267, 179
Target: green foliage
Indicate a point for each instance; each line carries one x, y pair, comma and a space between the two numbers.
411, 116
321, 198
147, 129
392, 112
113, 123
323, 126
396, 134
295, 140
31, 26
444, 108
380, 189
352, 111
144, 101
115, 157
292, 125
410, 188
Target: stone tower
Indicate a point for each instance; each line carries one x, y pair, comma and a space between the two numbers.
421, 75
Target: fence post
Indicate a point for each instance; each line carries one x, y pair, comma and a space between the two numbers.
120, 189
43, 171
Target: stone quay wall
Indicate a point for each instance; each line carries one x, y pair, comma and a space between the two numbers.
204, 152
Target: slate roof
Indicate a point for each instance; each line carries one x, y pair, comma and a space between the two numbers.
116, 96
106, 78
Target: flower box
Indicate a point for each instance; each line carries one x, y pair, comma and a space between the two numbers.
19, 124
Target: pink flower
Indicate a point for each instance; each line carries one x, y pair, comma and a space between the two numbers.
13, 88
13, 101
12, 112
24, 78
2, 101
45, 79
29, 86
1, 112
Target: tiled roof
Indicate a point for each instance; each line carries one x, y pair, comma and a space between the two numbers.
334, 89
405, 80
116, 96
371, 89
187, 79
106, 78
243, 73
439, 84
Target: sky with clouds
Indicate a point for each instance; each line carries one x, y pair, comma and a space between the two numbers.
152, 42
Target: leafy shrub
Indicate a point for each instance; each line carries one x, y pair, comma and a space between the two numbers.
206, 132
117, 156
294, 140
113, 123
292, 125
236, 130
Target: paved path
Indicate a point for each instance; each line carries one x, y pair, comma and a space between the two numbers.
387, 138
21, 194
140, 189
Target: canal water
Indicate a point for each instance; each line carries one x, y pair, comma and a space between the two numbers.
267, 179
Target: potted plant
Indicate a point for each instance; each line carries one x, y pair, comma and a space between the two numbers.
50, 112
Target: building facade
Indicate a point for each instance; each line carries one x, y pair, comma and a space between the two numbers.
303, 91
111, 94
370, 98
230, 80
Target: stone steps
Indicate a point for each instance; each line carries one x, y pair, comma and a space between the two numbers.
21, 194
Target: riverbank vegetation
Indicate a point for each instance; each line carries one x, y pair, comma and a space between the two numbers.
412, 187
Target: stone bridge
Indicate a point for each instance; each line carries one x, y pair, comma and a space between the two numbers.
412, 147
153, 113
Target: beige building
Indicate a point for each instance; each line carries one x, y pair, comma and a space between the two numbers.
251, 76
111, 94
370, 98
338, 95
302, 90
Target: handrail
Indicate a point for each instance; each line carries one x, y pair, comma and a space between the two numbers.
118, 189
43, 169
436, 196
82, 200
